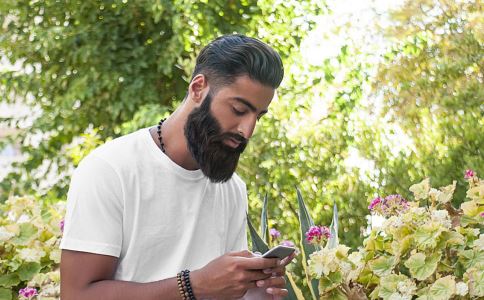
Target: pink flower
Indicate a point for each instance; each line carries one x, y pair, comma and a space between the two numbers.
390, 205
287, 243
375, 202
28, 292
61, 225
481, 214
274, 233
395, 201
469, 174
316, 234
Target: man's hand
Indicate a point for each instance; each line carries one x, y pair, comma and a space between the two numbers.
276, 283
231, 275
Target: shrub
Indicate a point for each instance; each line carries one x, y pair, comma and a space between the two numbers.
30, 233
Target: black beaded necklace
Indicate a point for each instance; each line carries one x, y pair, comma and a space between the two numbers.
162, 145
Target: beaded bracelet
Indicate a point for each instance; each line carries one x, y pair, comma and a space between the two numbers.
184, 286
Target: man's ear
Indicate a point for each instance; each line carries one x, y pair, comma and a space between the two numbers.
198, 88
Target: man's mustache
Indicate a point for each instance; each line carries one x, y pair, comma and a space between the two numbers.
229, 135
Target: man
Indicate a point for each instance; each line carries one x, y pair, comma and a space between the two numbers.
150, 204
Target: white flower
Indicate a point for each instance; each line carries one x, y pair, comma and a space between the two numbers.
442, 217
392, 224
461, 289
327, 260
5, 234
31, 255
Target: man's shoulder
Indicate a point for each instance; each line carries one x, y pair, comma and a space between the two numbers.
118, 151
120, 146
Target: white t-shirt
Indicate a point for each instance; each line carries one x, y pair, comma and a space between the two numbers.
129, 200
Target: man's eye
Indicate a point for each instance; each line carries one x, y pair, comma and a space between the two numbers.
238, 112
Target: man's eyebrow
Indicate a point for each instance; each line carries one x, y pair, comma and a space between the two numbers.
249, 105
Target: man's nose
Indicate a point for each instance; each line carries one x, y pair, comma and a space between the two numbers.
246, 128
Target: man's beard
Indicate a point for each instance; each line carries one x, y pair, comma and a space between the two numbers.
206, 144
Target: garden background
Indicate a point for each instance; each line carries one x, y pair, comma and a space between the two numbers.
377, 96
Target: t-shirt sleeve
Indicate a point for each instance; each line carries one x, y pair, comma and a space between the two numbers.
94, 213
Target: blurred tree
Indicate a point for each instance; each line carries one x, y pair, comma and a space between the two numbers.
85, 66
417, 112
431, 85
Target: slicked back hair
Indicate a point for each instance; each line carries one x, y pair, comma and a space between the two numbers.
231, 56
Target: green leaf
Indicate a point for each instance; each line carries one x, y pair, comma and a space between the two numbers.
333, 240
9, 280
305, 221
467, 220
264, 229
389, 284
5, 294
27, 232
421, 267
28, 270
383, 265
453, 238
334, 294
426, 236
258, 245
442, 289
294, 292
471, 258
475, 279
327, 283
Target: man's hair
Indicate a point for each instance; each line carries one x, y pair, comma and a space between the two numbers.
230, 56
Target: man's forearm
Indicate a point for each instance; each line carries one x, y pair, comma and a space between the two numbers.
121, 290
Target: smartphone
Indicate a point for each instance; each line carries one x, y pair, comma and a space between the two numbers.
279, 251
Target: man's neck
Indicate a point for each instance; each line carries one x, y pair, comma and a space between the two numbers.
176, 147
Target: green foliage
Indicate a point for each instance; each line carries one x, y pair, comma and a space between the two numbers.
449, 265
430, 83
99, 65
30, 234
91, 75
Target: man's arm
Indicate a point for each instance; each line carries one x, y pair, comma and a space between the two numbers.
90, 276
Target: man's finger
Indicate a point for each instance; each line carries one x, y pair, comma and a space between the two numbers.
259, 263
277, 292
277, 271
288, 259
278, 281
243, 253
